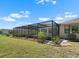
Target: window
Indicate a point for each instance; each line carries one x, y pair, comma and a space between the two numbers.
75, 28
66, 29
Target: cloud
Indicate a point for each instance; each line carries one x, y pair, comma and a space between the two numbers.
21, 24
13, 16
9, 19
58, 19
40, 1
46, 1
43, 19
66, 16
21, 14
66, 13
25, 12
16, 15
54, 2
29, 23
69, 15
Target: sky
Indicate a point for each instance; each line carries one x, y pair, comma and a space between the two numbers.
15, 13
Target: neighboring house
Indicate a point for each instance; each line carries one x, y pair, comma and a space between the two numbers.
4, 31
71, 26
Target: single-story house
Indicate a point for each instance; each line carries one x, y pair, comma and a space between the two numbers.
5, 31
51, 28
71, 26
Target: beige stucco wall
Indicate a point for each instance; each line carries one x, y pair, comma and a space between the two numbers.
77, 36
61, 30
62, 34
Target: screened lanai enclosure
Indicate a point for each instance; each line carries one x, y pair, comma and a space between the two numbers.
50, 28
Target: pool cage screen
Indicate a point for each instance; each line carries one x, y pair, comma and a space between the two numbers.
50, 28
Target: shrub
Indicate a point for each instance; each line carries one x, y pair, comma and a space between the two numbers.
56, 39
42, 36
1, 32
7, 34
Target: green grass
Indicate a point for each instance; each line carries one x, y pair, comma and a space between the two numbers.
12, 47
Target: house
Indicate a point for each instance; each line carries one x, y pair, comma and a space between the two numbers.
71, 26
4, 31
50, 28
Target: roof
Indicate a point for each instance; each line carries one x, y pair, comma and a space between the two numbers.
40, 24
73, 21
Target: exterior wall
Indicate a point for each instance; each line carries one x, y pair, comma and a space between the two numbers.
5, 31
64, 35
77, 36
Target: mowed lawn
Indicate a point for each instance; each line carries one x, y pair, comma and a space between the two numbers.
18, 48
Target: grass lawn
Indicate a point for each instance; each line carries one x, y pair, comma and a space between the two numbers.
11, 47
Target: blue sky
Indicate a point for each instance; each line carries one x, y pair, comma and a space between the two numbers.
22, 12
